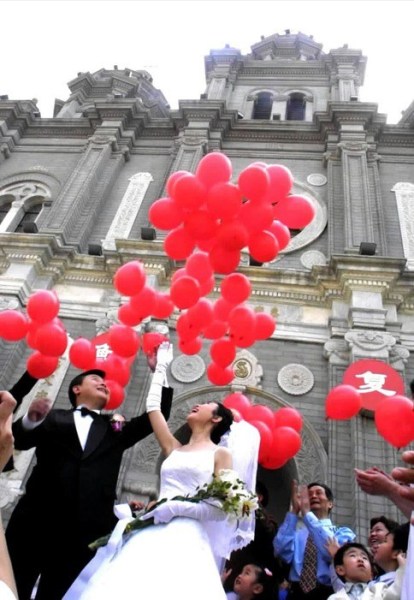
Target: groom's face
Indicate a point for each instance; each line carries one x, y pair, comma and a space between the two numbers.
92, 392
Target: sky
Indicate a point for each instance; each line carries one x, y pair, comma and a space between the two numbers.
46, 43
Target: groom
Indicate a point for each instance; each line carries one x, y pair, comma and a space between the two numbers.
70, 494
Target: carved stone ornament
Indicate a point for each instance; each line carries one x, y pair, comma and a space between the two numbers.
316, 179
312, 257
187, 369
295, 379
105, 322
370, 341
8, 303
247, 369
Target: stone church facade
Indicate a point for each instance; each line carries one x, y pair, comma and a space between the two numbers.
75, 191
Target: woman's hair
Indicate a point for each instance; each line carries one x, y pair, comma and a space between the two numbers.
222, 426
265, 578
389, 524
401, 534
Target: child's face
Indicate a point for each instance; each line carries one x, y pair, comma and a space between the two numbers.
376, 536
385, 553
356, 566
245, 584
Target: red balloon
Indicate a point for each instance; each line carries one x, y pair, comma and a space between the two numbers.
243, 340
235, 288
222, 309
200, 225
237, 401
232, 235
394, 420
242, 321
258, 412
82, 354
254, 182
13, 325
128, 316
263, 246
43, 306
256, 217
186, 330
123, 340
286, 443
185, 292
31, 333
207, 286
40, 366
224, 201
144, 302
190, 346
264, 326
288, 417
223, 352
172, 179
342, 402
151, 341
198, 266
116, 394
163, 306
295, 212
224, 261
130, 278
215, 330
281, 233
165, 214
206, 245
116, 369
51, 340
178, 244
189, 193
219, 376
281, 182
266, 439
214, 168
201, 314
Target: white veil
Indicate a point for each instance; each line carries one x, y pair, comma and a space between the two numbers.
243, 441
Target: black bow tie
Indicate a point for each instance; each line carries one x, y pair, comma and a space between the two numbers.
85, 411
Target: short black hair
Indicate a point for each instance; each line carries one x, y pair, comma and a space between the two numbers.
327, 489
389, 524
222, 426
78, 381
401, 534
339, 556
412, 387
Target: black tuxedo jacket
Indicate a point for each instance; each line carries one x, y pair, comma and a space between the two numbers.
73, 487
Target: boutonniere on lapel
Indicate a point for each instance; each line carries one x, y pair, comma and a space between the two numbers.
117, 422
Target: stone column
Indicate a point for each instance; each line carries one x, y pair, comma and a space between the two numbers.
358, 215
13, 217
76, 210
404, 195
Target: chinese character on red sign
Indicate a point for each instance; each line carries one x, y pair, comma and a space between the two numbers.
374, 380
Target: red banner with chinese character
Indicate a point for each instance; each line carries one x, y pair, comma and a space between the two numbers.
374, 380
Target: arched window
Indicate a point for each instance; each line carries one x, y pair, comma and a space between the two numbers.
263, 106
30, 215
295, 107
4, 209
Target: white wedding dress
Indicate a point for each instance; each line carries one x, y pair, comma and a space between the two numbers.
174, 561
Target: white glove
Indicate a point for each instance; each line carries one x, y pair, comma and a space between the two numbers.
201, 511
159, 379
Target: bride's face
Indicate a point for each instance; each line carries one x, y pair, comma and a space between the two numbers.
202, 413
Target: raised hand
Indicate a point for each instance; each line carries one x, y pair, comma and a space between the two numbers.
304, 499
39, 409
164, 355
294, 498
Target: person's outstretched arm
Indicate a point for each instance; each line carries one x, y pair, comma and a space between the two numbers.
375, 482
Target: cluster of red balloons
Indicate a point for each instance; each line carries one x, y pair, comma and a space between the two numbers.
43, 330
228, 321
206, 211
279, 430
394, 416
144, 301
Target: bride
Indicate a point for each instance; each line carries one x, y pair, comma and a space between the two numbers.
178, 558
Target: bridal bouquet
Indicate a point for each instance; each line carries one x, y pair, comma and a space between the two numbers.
226, 491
